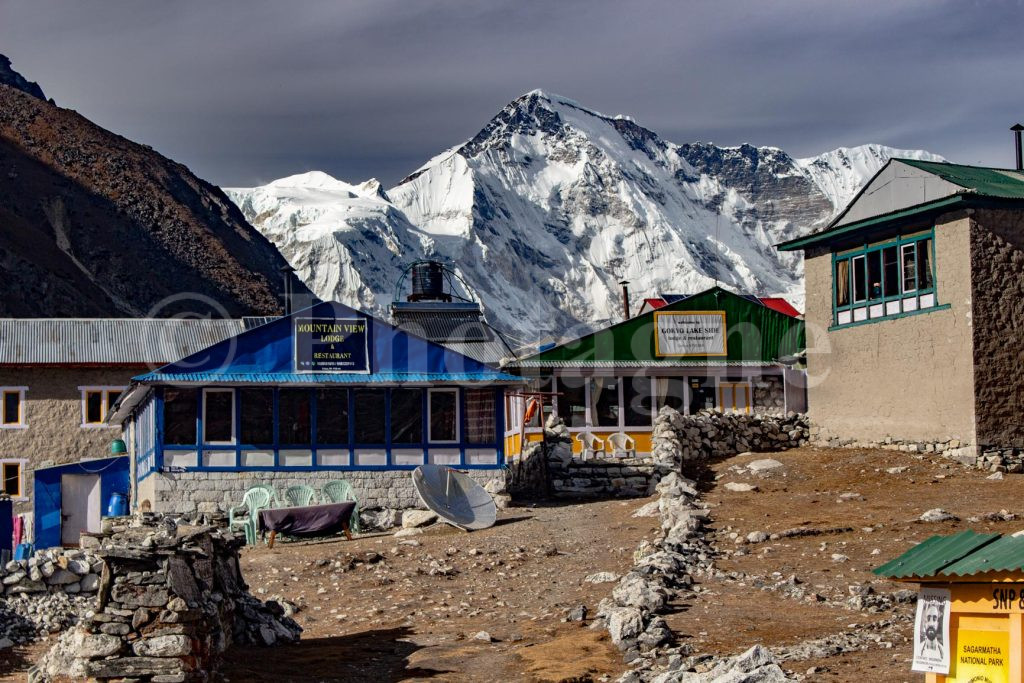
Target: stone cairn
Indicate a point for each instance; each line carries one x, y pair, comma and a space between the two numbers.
551, 469
170, 600
668, 566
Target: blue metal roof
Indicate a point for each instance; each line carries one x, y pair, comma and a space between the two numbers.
328, 378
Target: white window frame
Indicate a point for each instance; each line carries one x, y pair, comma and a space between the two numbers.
853, 279
104, 391
22, 423
903, 268
458, 416
622, 404
234, 416
22, 464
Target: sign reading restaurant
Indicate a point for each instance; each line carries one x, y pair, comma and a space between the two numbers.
331, 345
689, 333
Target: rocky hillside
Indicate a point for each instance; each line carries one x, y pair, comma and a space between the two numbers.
551, 204
92, 224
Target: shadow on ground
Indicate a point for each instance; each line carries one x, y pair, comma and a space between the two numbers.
381, 655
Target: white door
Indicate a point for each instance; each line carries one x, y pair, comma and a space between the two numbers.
79, 506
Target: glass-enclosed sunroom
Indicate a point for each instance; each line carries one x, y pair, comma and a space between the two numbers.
325, 393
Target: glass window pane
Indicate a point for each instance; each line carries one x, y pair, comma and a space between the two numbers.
860, 282
443, 416
874, 275
12, 478
180, 406
481, 423
843, 282
12, 407
293, 411
891, 271
636, 400
572, 406
909, 268
368, 405
924, 264
406, 416
112, 397
703, 391
93, 407
672, 393
257, 416
218, 422
604, 399
332, 416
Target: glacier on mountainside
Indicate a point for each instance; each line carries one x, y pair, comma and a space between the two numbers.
551, 204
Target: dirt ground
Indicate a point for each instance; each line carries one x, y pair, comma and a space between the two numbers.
381, 608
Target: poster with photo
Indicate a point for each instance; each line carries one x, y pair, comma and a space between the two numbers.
931, 631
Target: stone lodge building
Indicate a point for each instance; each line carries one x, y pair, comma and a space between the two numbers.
915, 313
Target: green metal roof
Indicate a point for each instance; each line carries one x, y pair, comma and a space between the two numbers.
997, 183
928, 558
978, 183
1003, 555
661, 363
757, 335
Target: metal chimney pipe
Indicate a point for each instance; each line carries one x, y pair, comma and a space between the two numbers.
286, 272
1017, 128
625, 297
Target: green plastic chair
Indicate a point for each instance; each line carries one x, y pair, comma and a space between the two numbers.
255, 499
340, 492
299, 496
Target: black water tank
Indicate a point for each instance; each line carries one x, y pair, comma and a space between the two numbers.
427, 281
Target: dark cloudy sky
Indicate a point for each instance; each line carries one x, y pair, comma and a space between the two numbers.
244, 91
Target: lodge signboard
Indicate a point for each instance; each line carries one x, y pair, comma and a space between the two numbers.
689, 333
331, 345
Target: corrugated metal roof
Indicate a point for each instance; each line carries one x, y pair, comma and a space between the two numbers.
666, 363
999, 183
932, 555
111, 341
491, 352
443, 326
1003, 555
327, 378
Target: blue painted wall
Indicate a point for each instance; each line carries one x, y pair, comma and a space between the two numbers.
47, 499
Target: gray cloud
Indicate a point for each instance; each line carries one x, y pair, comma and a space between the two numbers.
247, 91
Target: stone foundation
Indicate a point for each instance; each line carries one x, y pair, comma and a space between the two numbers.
186, 493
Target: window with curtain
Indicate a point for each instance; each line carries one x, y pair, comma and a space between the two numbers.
637, 402
572, 403
843, 282
295, 426
604, 401
672, 393
368, 406
257, 415
180, 411
407, 416
481, 424
331, 416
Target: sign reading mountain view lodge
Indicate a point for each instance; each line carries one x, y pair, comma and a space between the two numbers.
331, 345
690, 333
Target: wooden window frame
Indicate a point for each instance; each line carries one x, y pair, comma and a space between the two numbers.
20, 463
22, 423
104, 391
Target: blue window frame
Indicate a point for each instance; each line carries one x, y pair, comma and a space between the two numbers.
885, 280
336, 419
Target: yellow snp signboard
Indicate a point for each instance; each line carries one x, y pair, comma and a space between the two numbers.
981, 657
690, 333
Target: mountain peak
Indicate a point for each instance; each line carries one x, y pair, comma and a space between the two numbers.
10, 77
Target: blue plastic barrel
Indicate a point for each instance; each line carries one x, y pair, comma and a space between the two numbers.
118, 505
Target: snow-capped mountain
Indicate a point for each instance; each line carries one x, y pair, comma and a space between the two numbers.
549, 206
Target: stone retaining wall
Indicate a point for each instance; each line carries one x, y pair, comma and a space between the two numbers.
170, 600
186, 493
988, 458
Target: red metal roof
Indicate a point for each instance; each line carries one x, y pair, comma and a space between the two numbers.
655, 303
779, 304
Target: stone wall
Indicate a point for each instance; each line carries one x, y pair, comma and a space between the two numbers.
54, 434
551, 469
909, 378
769, 395
170, 601
185, 493
997, 288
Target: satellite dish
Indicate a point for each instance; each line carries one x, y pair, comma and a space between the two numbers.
455, 498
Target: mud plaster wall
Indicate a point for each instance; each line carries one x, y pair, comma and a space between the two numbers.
911, 378
997, 265
53, 414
